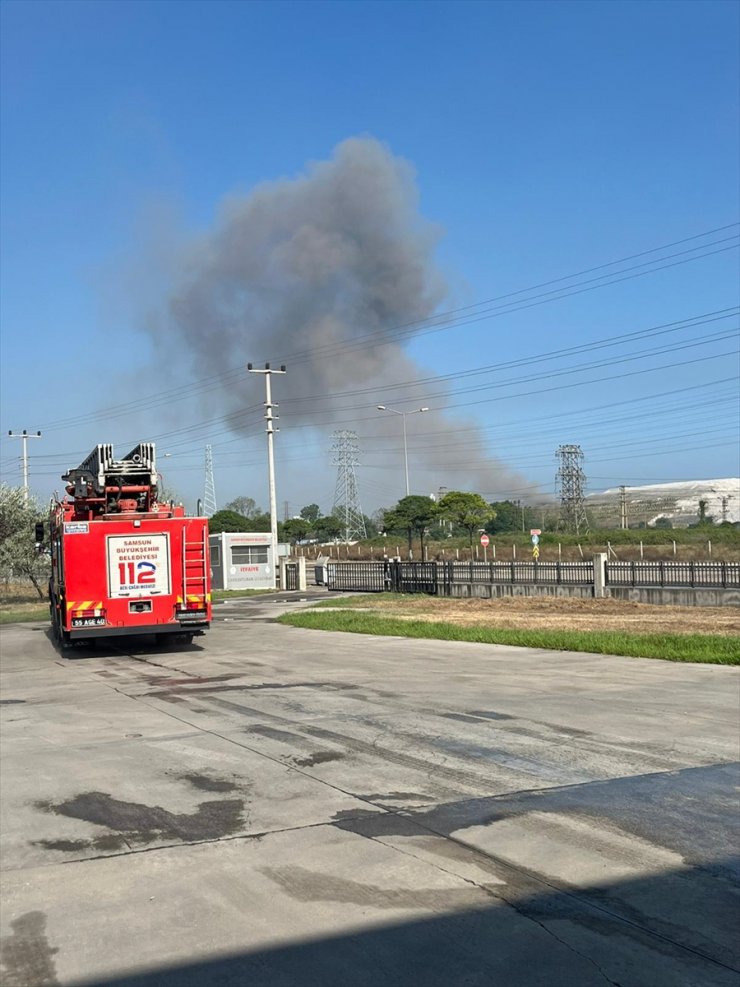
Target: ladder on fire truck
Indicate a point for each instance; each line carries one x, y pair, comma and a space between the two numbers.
194, 570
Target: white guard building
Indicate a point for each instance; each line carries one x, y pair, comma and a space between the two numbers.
243, 560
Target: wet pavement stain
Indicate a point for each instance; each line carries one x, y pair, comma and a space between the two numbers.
396, 797
320, 757
25, 956
305, 885
193, 680
139, 823
193, 687
11, 702
272, 733
204, 783
104, 844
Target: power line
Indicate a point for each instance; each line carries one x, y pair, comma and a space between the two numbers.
448, 319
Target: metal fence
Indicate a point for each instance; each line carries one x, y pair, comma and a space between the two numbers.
572, 573
437, 578
698, 574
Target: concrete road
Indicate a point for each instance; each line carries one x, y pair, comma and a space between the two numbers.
275, 806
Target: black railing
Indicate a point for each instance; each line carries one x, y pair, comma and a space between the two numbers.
573, 573
696, 574
428, 577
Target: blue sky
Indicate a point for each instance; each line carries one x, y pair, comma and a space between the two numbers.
547, 139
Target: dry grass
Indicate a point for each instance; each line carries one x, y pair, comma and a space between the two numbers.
556, 613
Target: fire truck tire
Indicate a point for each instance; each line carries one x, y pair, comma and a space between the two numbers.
60, 636
186, 638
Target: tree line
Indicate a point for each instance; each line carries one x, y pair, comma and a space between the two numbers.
457, 513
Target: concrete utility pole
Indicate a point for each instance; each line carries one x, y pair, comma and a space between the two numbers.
270, 419
25, 436
623, 507
404, 414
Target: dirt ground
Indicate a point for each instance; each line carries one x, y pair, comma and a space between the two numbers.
561, 613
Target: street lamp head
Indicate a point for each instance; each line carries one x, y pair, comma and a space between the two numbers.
381, 407
423, 409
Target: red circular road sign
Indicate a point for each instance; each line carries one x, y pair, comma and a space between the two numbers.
484, 540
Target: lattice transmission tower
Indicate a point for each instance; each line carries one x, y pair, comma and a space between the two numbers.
346, 457
209, 496
571, 483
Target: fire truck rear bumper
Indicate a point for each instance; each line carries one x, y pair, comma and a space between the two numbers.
189, 627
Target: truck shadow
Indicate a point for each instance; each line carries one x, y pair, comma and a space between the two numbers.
135, 645
610, 934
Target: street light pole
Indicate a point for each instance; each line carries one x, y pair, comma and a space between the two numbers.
270, 419
403, 414
25, 437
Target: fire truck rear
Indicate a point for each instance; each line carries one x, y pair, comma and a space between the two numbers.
122, 563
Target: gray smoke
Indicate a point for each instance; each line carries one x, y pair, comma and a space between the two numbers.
318, 272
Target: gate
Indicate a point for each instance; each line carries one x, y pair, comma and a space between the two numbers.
390, 576
291, 575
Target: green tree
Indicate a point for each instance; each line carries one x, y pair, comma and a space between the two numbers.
507, 518
245, 506
412, 515
328, 528
466, 510
311, 512
704, 519
512, 515
19, 556
259, 522
296, 529
227, 520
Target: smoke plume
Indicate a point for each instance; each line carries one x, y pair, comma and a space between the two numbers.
320, 272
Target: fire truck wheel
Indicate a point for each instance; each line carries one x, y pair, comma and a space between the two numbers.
60, 636
186, 638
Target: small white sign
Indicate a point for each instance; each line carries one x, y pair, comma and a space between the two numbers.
76, 527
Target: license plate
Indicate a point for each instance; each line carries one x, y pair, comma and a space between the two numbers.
187, 616
88, 621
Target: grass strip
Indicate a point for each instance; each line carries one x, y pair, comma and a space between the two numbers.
28, 614
704, 648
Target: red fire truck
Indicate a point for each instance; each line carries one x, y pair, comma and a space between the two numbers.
121, 562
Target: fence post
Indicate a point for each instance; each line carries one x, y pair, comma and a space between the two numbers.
662, 573
692, 574
600, 575
513, 573
558, 577
633, 573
